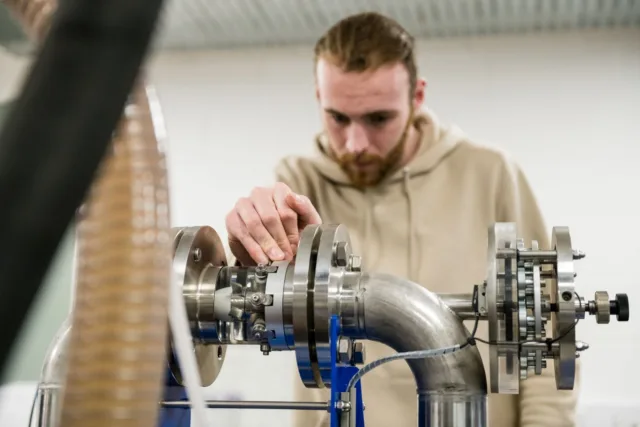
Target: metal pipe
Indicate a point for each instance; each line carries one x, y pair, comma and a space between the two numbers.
247, 404
451, 388
460, 304
46, 409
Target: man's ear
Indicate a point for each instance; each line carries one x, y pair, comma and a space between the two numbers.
419, 94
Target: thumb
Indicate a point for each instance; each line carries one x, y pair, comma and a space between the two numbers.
307, 213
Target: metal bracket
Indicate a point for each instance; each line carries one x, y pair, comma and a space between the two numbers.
346, 409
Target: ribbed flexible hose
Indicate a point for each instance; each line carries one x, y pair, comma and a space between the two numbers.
117, 346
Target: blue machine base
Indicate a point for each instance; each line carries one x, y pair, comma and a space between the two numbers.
340, 377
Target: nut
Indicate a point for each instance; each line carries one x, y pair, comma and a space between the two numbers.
345, 350
341, 257
581, 346
355, 263
359, 354
603, 313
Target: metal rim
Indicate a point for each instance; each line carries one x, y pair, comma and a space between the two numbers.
328, 276
562, 292
503, 369
317, 274
274, 314
195, 250
303, 298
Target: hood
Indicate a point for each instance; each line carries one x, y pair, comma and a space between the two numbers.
435, 143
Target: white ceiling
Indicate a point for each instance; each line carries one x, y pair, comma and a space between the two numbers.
233, 23
189, 24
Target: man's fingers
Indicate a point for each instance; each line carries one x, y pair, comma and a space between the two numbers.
265, 207
257, 230
242, 245
288, 216
307, 213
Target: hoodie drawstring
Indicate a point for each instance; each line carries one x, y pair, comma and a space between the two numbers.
367, 225
411, 267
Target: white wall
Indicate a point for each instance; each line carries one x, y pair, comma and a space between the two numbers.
565, 106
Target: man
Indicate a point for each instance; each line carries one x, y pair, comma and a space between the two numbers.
416, 196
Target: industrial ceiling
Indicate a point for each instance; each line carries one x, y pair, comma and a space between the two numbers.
223, 24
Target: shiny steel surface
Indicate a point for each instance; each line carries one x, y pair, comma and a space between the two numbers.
407, 317
562, 292
603, 313
319, 272
46, 409
198, 250
460, 304
249, 404
334, 252
274, 314
303, 305
501, 277
452, 410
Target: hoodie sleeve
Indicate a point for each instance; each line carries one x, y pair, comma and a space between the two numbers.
540, 403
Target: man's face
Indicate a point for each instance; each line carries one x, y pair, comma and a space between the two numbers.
367, 117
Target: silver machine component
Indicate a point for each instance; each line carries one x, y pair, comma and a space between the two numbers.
528, 299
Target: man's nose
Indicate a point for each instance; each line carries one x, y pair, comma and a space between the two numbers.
357, 140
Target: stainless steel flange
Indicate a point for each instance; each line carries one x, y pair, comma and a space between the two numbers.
198, 251
502, 308
562, 292
323, 258
518, 307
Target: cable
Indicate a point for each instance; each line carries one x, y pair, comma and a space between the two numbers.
420, 354
56, 136
183, 345
548, 341
471, 341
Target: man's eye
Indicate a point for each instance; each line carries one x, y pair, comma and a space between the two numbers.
340, 119
378, 119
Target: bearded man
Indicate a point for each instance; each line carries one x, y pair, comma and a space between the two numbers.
416, 195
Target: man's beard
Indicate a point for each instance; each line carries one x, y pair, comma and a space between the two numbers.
377, 167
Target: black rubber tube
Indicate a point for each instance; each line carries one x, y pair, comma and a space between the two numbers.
57, 134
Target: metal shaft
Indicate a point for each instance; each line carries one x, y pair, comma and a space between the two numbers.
247, 404
460, 304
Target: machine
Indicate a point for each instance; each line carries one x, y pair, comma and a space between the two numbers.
323, 307
105, 367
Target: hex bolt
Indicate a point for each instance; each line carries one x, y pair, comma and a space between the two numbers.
345, 350
341, 258
581, 346
578, 254
355, 263
359, 354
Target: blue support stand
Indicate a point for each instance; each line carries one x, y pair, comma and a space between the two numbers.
174, 417
341, 374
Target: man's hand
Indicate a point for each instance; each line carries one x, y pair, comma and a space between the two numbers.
266, 225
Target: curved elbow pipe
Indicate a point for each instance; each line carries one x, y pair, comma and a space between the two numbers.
451, 388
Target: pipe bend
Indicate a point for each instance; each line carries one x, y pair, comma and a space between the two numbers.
408, 317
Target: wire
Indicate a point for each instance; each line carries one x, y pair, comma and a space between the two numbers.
183, 344
56, 135
420, 354
548, 341
471, 341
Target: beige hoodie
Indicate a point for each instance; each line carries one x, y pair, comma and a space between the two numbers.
428, 222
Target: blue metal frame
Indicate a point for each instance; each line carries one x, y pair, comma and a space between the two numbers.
340, 376
174, 417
